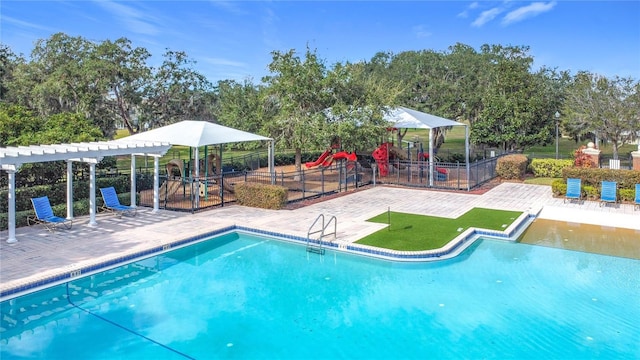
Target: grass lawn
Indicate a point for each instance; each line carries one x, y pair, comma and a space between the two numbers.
409, 232
540, 181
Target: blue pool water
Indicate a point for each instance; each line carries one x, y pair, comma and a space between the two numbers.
243, 296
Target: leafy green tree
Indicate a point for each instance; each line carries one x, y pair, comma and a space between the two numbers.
19, 126
176, 92
298, 91
119, 73
358, 100
8, 64
607, 107
239, 105
516, 110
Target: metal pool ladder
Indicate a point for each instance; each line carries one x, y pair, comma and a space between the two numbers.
315, 245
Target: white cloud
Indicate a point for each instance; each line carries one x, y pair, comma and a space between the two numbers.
224, 62
24, 24
486, 16
465, 12
229, 6
421, 31
528, 11
133, 19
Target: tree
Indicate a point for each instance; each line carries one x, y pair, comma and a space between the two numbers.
298, 90
8, 64
516, 111
240, 105
176, 92
610, 108
19, 126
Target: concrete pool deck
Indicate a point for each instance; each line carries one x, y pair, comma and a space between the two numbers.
39, 254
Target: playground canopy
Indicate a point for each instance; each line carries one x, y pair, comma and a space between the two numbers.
195, 133
405, 118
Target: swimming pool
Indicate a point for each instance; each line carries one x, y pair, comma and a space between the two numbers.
244, 296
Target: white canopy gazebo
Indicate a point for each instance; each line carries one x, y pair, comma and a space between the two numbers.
12, 158
194, 134
405, 118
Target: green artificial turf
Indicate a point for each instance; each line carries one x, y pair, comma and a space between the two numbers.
409, 232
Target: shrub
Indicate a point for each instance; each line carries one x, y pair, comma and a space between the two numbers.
626, 179
582, 160
559, 187
549, 167
512, 166
263, 196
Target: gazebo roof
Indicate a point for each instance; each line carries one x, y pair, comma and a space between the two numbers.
405, 118
197, 133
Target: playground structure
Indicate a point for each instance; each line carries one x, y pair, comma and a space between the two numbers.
178, 188
387, 155
328, 157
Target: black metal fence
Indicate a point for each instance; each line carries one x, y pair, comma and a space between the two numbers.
198, 194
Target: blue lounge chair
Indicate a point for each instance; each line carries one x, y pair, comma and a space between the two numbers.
574, 191
637, 200
609, 192
111, 203
44, 215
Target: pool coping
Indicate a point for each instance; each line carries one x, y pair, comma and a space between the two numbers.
450, 250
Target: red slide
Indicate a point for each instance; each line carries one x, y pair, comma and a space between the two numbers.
339, 156
322, 157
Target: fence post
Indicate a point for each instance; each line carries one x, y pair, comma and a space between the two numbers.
458, 172
301, 173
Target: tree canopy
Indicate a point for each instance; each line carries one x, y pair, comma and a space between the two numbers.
304, 103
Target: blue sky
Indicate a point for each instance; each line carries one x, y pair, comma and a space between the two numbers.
234, 39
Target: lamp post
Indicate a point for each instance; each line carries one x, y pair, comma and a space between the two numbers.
557, 115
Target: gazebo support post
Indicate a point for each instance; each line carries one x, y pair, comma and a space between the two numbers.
133, 180
156, 183
197, 178
430, 157
466, 154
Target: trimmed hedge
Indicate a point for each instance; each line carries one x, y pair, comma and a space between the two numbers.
512, 166
626, 179
592, 182
263, 196
550, 168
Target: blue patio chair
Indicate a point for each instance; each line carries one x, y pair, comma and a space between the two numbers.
637, 200
574, 190
609, 192
112, 203
44, 215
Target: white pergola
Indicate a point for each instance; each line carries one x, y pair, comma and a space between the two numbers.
12, 158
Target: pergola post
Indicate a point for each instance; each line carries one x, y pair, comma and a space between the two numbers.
12, 206
69, 189
92, 194
133, 180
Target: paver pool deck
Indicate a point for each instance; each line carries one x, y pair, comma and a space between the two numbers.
39, 254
